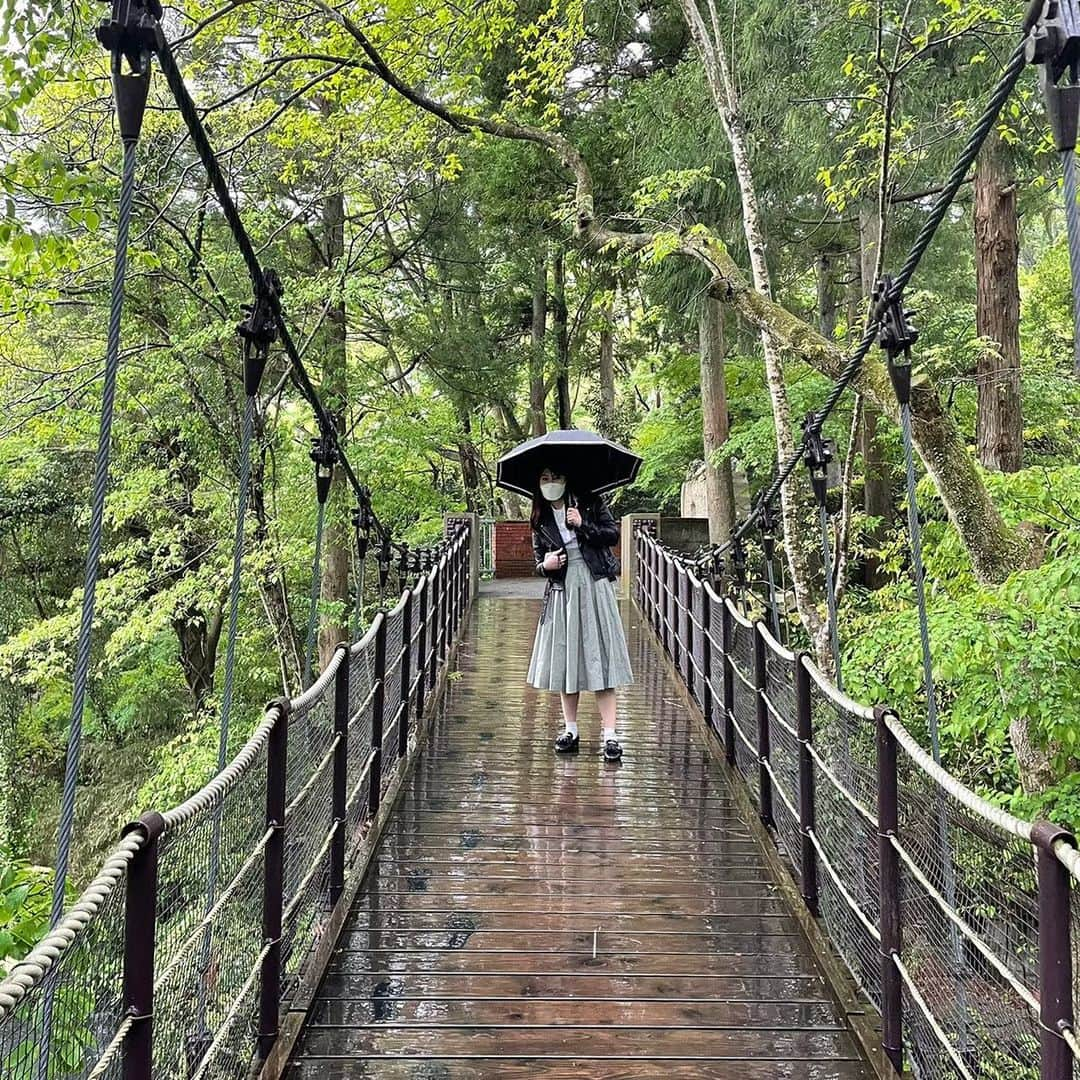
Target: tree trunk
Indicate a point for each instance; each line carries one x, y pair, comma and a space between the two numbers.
537, 388
999, 432
606, 375
827, 300
719, 490
877, 491
198, 638
333, 627
562, 338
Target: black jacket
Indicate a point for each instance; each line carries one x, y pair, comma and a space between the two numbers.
596, 534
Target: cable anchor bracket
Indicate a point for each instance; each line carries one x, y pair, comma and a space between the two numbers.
1054, 45
259, 329
738, 558
767, 523
896, 335
132, 32
817, 455
325, 455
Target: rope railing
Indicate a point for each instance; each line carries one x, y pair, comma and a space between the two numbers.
858, 810
125, 979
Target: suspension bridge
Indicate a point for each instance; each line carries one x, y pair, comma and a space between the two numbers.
395, 877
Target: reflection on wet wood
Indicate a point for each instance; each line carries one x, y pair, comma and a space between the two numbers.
537, 916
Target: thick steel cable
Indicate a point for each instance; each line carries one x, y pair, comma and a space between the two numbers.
200, 140
97, 529
313, 605
830, 594
1072, 226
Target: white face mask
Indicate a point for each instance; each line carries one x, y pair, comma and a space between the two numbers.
553, 490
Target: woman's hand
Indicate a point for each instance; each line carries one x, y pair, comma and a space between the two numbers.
573, 518
554, 560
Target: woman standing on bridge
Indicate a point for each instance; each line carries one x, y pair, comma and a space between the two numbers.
580, 644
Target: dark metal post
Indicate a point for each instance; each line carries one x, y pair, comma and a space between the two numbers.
706, 656
340, 780
140, 932
1055, 954
892, 1041
378, 705
277, 753
674, 619
444, 610
689, 632
729, 685
421, 651
807, 802
433, 616
406, 672
764, 742
655, 584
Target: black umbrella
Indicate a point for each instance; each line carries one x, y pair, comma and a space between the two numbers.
589, 462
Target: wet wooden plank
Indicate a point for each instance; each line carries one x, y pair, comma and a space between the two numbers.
662, 1012
543, 916
556, 1040
579, 1068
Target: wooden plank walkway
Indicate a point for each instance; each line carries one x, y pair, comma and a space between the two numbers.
529, 915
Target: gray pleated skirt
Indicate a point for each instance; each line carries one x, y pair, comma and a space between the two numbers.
580, 644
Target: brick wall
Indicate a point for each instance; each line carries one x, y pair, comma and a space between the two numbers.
513, 550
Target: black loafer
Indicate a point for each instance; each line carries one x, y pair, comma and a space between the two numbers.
567, 743
612, 750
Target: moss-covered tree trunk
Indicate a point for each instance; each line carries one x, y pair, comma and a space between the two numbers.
999, 427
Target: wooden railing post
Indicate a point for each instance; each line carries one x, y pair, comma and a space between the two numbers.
892, 1041
729, 685
406, 672
1055, 954
378, 706
277, 756
764, 744
807, 802
341, 778
140, 935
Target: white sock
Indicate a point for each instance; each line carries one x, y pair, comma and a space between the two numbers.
609, 734
571, 726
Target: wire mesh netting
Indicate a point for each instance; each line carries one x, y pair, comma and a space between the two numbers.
209, 901
62, 1010
744, 701
968, 882
716, 659
845, 784
78, 1003
395, 632
971, 970
781, 714
358, 769
309, 825
697, 616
